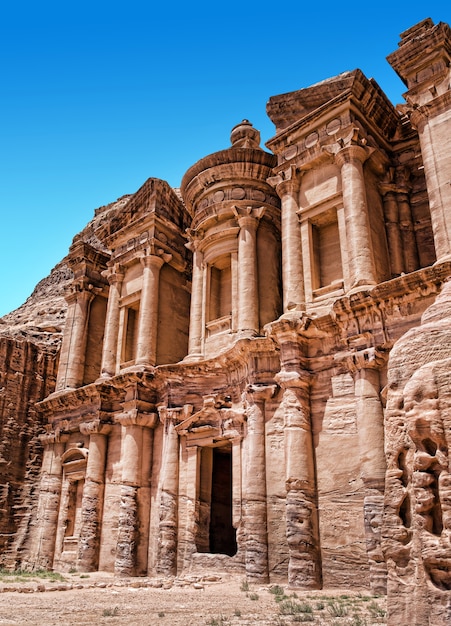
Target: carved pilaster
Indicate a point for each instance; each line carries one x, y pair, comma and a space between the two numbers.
302, 528
195, 348
366, 365
304, 569
254, 483
146, 349
391, 217
92, 501
350, 159
43, 542
115, 276
292, 266
73, 350
134, 420
169, 478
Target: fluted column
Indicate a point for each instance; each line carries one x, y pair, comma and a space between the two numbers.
134, 473
195, 349
146, 348
351, 159
248, 302
92, 500
43, 547
109, 352
167, 543
73, 350
254, 484
292, 265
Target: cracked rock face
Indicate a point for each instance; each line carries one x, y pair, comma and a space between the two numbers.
417, 519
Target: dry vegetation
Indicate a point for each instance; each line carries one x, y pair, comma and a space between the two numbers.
87, 599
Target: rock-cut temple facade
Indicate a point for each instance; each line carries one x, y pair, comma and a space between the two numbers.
255, 369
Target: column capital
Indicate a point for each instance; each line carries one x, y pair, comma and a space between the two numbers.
387, 188
53, 436
114, 274
95, 427
248, 216
288, 187
79, 290
179, 413
351, 153
137, 413
155, 257
287, 182
194, 237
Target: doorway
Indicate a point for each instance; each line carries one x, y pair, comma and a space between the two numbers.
216, 533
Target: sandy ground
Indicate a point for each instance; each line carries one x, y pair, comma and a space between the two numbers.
101, 599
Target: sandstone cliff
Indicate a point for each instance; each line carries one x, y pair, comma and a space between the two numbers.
30, 339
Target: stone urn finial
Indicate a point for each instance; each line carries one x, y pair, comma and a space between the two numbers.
244, 135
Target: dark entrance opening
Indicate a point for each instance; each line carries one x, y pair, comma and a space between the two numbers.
222, 533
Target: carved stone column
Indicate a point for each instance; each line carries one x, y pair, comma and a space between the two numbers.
351, 159
248, 304
93, 490
433, 124
304, 569
73, 350
302, 527
254, 484
169, 480
43, 547
195, 348
370, 425
109, 353
409, 243
292, 265
146, 348
391, 216
134, 473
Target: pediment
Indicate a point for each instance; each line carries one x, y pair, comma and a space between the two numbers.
288, 108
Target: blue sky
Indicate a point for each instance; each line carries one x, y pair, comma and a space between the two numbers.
97, 96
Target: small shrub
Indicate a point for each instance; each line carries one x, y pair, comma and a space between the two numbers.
161, 614
84, 575
320, 606
253, 596
244, 586
111, 612
337, 609
289, 607
218, 621
277, 590
376, 610
303, 617
357, 621
237, 613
